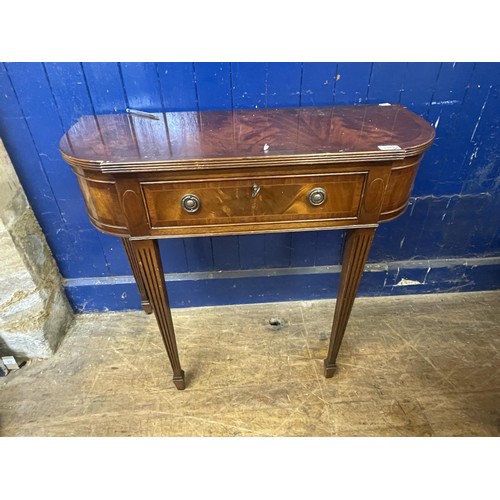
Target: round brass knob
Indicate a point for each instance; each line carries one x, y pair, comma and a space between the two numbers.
190, 203
317, 196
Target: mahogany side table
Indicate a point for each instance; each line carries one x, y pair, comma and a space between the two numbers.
146, 176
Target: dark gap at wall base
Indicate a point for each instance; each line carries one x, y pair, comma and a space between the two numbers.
288, 284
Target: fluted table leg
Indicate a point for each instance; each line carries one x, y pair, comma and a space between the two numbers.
357, 246
147, 255
137, 275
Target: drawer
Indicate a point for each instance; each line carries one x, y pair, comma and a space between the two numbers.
253, 200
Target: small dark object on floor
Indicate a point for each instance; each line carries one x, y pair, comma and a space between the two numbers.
3, 369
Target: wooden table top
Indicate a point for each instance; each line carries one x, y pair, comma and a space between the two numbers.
198, 139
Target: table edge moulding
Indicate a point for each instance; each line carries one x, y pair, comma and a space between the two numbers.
146, 176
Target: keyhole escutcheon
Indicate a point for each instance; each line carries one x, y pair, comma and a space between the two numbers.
255, 190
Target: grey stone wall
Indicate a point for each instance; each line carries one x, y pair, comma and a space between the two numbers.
34, 311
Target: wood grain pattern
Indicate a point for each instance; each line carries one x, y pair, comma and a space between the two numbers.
148, 257
231, 200
373, 198
314, 135
159, 162
102, 202
409, 384
458, 164
134, 264
398, 190
357, 246
218, 160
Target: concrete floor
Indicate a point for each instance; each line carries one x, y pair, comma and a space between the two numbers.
409, 366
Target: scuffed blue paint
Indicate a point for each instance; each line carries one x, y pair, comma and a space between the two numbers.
455, 211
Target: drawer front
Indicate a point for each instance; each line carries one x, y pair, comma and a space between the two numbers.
264, 199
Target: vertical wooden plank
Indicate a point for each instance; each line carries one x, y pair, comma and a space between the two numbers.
225, 253
328, 248
19, 143
283, 84
451, 88
174, 255
141, 86
460, 145
264, 251
105, 87
249, 85
31, 87
114, 253
199, 254
419, 85
78, 246
390, 242
463, 159
417, 213
84, 256
38, 106
213, 84
70, 92
455, 140
447, 228
77, 252
9, 105
71, 95
479, 168
352, 82
177, 86
318, 84
277, 249
452, 82
386, 82
63, 182
71, 98
252, 250
436, 173
41, 110
487, 229
303, 249
69, 89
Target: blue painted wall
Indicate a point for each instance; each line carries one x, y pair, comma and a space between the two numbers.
454, 212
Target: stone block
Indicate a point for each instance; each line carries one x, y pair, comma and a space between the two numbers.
34, 311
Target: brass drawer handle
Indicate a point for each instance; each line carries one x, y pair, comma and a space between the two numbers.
317, 196
190, 203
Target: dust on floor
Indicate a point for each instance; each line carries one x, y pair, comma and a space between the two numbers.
409, 366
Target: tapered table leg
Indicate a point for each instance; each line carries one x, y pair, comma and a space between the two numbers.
357, 246
137, 275
147, 255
